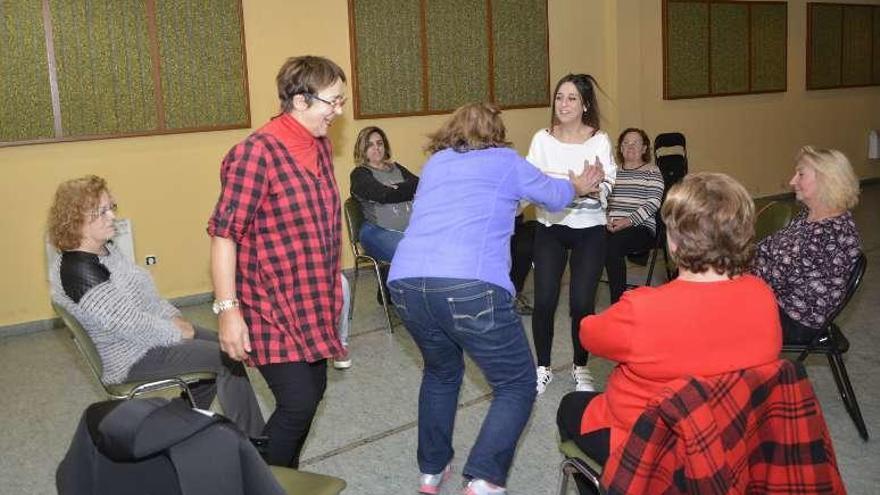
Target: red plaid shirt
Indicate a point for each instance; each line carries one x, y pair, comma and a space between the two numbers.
758, 430
285, 221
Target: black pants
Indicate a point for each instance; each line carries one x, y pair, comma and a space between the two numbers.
794, 332
521, 248
618, 245
595, 444
298, 389
552, 246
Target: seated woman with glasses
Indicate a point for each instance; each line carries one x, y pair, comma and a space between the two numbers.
713, 318
138, 335
385, 190
638, 190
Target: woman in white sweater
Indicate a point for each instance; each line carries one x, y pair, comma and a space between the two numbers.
138, 335
578, 232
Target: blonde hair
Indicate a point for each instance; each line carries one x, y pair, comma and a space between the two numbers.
838, 187
474, 126
363, 142
711, 219
75, 200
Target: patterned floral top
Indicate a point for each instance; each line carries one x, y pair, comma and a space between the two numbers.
808, 263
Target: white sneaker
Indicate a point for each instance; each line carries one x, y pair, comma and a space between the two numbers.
582, 378
483, 487
545, 376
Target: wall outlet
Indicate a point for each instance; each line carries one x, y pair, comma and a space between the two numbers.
151, 259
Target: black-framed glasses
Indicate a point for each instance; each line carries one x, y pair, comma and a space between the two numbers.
337, 102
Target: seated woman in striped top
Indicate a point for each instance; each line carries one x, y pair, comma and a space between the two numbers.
634, 201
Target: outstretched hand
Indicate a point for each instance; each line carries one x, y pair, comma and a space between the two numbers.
588, 180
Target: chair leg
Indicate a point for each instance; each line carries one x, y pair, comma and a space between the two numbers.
847, 395
651, 264
384, 297
568, 468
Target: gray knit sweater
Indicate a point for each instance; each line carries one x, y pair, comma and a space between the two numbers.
124, 316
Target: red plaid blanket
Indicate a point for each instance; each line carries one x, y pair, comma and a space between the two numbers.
759, 430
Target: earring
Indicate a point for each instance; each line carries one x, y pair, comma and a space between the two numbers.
585, 108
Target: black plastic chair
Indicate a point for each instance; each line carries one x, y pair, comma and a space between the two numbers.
831, 342
354, 218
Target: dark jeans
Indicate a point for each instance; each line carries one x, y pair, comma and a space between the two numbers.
617, 246
521, 247
380, 243
447, 317
596, 444
202, 353
552, 246
298, 389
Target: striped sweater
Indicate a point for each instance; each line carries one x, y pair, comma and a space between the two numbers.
637, 195
124, 316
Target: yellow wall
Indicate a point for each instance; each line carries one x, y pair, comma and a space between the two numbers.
751, 137
168, 184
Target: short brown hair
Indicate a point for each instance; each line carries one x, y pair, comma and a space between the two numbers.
646, 156
363, 142
75, 200
838, 187
305, 75
710, 218
474, 126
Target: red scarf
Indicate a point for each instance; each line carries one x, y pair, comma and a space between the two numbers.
297, 139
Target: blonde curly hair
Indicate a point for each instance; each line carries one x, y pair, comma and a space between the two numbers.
75, 200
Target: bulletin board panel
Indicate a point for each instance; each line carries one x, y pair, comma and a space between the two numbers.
843, 41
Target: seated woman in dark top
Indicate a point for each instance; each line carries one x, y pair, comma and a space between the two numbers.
808, 262
138, 335
385, 190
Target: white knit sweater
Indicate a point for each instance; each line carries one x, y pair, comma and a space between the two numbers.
124, 316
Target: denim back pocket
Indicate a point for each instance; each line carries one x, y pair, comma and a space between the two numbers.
473, 314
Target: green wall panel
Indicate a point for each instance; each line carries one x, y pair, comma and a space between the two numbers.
458, 53
857, 41
388, 55
521, 64
26, 109
729, 31
769, 47
687, 49
201, 87
104, 66
825, 46
876, 77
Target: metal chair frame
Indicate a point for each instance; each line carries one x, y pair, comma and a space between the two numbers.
831, 342
353, 220
576, 461
126, 390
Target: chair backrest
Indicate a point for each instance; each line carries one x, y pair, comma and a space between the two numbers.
772, 217
82, 340
852, 285
670, 156
669, 140
354, 218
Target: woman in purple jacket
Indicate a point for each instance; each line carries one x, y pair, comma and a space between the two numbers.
451, 285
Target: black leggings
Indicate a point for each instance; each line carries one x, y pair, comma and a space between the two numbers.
552, 245
298, 389
521, 246
619, 245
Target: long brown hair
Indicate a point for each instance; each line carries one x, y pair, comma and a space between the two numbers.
474, 126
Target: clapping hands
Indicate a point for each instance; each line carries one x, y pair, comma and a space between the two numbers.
587, 182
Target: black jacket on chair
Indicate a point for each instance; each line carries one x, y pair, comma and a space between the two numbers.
154, 446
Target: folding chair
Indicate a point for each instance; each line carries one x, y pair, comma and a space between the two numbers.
772, 218
576, 461
831, 342
126, 390
354, 218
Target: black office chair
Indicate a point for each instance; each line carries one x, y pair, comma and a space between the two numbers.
831, 342
354, 218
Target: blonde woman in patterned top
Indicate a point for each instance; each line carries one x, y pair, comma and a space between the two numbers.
808, 262
632, 207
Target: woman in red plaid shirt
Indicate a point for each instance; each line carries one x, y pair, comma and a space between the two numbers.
275, 240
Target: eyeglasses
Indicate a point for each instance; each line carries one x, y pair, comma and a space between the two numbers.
103, 210
631, 144
337, 102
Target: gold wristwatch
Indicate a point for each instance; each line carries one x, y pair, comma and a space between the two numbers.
224, 305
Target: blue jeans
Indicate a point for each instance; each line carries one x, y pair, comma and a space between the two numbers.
379, 243
445, 317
